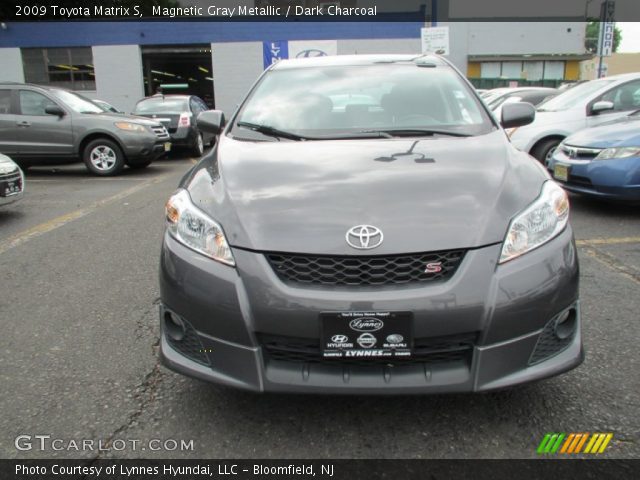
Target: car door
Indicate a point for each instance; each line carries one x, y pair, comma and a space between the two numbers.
625, 99
40, 134
8, 133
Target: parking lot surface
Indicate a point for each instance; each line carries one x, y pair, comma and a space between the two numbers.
78, 351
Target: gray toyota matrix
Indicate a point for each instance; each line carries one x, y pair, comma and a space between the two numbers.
363, 225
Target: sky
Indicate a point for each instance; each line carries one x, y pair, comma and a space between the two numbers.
630, 37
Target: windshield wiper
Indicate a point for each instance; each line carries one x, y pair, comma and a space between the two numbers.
271, 131
416, 132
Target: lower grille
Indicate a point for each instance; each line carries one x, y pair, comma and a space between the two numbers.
365, 270
190, 345
445, 349
15, 178
580, 181
549, 344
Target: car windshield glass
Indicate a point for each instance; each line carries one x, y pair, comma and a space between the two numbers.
334, 101
162, 105
572, 97
76, 103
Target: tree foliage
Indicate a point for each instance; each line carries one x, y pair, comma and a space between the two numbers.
592, 35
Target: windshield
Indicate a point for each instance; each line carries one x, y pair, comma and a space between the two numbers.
339, 100
162, 105
76, 103
573, 97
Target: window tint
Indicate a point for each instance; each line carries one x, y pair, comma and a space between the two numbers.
625, 97
162, 104
5, 101
33, 103
333, 100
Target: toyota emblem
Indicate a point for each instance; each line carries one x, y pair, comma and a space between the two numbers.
364, 237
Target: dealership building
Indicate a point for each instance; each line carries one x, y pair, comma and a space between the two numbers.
121, 62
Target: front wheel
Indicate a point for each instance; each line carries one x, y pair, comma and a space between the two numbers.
103, 157
544, 150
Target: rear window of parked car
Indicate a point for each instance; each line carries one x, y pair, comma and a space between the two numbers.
162, 105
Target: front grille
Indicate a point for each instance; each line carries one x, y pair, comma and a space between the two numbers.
451, 348
580, 153
364, 270
161, 132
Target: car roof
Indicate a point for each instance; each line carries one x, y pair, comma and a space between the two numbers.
357, 60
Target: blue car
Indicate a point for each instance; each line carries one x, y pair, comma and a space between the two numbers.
602, 161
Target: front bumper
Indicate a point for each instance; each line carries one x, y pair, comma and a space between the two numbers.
139, 148
508, 307
615, 179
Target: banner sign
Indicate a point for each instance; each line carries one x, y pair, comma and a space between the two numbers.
273, 52
435, 40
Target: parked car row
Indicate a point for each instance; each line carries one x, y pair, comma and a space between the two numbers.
588, 136
41, 125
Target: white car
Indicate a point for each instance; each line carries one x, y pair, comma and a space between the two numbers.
586, 105
11, 181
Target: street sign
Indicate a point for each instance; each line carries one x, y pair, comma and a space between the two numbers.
607, 28
435, 40
607, 33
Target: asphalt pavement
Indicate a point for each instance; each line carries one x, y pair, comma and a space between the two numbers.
78, 350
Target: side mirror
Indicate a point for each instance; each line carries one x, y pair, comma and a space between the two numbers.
601, 106
54, 110
517, 114
211, 121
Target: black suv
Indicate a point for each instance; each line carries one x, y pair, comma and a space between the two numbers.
179, 114
49, 125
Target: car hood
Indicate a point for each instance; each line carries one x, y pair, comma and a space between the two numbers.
429, 194
620, 133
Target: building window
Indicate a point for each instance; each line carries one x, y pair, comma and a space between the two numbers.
553, 70
60, 67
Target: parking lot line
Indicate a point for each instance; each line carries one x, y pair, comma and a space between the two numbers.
48, 226
611, 262
607, 241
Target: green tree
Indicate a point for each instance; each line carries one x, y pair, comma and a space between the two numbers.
592, 35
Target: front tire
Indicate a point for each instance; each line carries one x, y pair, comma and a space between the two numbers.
103, 157
198, 148
544, 150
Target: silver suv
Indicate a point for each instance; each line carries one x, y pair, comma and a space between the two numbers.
51, 126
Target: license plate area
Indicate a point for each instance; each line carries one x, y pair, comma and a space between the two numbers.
561, 172
10, 187
366, 334
167, 146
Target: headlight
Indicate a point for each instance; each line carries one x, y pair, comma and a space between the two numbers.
7, 166
619, 152
541, 221
194, 229
131, 127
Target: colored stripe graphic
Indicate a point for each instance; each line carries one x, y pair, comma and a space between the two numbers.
572, 443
